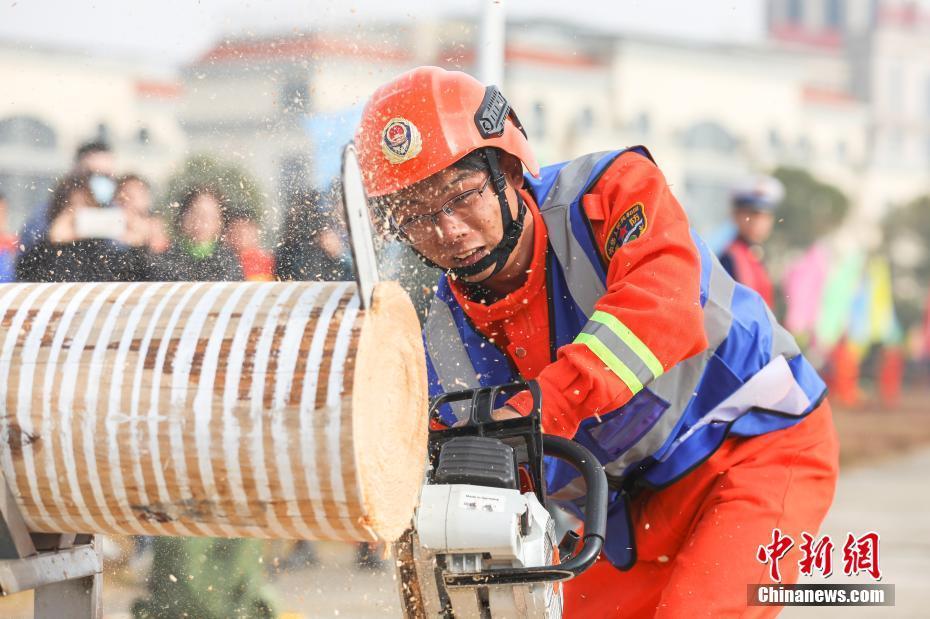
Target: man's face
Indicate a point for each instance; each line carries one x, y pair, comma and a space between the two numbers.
754, 226
467, 235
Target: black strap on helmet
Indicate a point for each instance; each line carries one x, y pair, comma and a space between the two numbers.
512, 227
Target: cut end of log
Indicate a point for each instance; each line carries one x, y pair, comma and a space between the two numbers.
390, 384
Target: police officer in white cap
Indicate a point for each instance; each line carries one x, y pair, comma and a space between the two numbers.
754, 203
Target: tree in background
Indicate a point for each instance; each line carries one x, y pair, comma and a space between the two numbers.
811, 210
906, 240
207, 578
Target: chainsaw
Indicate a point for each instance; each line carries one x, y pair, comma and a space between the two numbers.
483, 543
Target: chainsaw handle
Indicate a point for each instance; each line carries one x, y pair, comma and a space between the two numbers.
482, 401
595, 506
595, 526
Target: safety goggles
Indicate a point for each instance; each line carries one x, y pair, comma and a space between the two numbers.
463, 207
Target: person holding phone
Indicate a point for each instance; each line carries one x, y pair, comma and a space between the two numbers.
94, 158
86, 241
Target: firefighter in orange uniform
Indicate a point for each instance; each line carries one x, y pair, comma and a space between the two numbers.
585, 277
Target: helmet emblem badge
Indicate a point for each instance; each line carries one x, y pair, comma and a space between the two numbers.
400, 140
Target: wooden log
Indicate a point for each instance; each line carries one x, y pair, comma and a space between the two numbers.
274, 410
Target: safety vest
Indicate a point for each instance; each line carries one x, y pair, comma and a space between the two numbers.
750, 380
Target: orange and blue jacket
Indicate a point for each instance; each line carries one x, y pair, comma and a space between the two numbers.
652, 287
645, 350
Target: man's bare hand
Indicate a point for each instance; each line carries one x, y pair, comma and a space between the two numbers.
505, 412
502, 413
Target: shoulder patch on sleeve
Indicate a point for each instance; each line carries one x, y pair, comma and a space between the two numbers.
629, 227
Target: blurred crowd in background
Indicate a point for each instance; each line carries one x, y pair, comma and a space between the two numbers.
101, 223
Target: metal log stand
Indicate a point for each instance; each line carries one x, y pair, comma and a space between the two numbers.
64, 569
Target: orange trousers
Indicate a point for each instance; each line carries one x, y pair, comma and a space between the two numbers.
697, 539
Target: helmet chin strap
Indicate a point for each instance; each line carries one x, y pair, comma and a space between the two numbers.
501, 253
513, 228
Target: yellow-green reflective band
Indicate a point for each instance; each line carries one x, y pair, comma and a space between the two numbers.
610, 360
629, 338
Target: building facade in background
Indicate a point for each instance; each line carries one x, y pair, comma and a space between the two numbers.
54, 100
885, 45
838, 87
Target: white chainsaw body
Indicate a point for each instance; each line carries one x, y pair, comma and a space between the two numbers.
464, 528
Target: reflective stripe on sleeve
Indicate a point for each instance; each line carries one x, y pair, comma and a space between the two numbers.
629, 338
611, 360
620, 350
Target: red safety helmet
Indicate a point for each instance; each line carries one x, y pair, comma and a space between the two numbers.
427, 119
